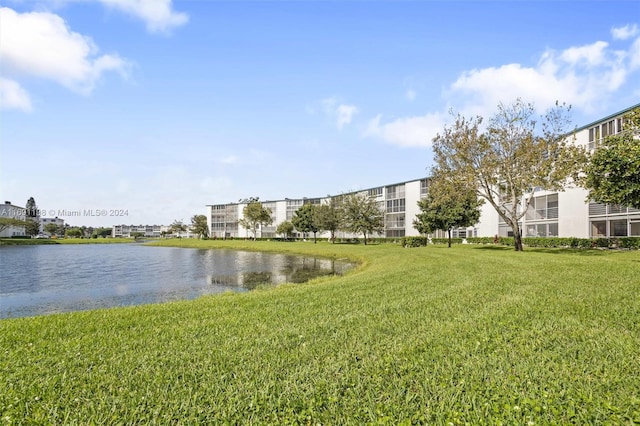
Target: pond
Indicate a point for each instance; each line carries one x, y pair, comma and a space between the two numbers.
43, 279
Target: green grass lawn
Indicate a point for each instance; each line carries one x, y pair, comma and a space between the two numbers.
471, 334
40, 241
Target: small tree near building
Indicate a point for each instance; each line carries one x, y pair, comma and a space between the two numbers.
285, 229
74, 233
177, 227
254, 214
304, 220
328, 217
447, 206
51, 229
32, 226
362, 215
199, 225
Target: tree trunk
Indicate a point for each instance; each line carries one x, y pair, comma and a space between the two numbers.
314, 238
517, 237
365, 238
449, 231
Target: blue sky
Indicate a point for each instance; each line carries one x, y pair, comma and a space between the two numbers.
158, 108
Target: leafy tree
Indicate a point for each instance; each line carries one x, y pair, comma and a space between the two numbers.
304, 220
137, 235
362, 215
329, 216
74, 233
447, 206
199, 225
511, 158
31, 208
255, 214
285, 228
8, 222
177, 227
32, 227
612, 175
101, 232
51, 228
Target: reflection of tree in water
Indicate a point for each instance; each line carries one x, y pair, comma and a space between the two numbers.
308, 269
290, 269
305, 274
251, 280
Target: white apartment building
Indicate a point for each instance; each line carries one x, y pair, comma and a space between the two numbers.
126, 231
150, 231
44, 221
9, 211
567, 213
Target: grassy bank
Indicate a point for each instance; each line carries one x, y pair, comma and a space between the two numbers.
425, 335
40, 241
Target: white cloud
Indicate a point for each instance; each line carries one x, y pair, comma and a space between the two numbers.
583, 76
345, 114
40, 44
410, 94
591, 54
157, 14
13, 96
340, 112
408, 131
624, 33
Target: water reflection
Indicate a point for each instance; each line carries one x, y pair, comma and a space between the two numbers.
291, 269
36, 280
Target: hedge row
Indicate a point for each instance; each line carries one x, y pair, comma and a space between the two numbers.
571, 242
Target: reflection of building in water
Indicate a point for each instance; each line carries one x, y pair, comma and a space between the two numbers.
256, 269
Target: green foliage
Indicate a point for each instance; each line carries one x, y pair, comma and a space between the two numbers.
31, 208
328, 216
447, 205
32, 226
74, 233
414, 241
177, 227
101, 232
361, 214
51, 228
514, 155
255, 214
304, 220
199, 225
285, 228
612, 175
467, 335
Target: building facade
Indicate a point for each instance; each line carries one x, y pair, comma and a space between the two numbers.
9, 211
567, 213
44, 221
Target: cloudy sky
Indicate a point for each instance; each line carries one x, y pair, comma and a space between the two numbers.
158, 108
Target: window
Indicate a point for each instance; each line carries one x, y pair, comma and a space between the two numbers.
424, 187
618, 228
634, 228
599, 228
375, 192
394, 206
543, 207
395, 191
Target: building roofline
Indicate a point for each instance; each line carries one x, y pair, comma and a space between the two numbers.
323, 197
607, 118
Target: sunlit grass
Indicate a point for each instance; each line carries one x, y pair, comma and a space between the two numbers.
426, 335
